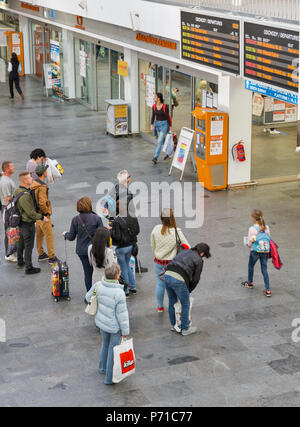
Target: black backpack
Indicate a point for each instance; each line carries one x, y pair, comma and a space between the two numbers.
12, 216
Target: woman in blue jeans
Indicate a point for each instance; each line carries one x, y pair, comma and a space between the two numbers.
111, 318
124, 231
161, 123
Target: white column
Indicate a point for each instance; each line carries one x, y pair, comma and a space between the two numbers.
69, 64
132, 89
25, 28
235, 100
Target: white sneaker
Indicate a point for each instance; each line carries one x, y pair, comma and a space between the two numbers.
11, 258
175, 329
191, 330
274, 132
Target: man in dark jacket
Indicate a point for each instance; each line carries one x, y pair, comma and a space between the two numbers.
29, 216
182, 276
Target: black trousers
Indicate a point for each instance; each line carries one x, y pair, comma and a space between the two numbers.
26, 244
15, 79
88, 271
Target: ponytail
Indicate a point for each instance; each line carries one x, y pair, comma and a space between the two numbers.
257, 215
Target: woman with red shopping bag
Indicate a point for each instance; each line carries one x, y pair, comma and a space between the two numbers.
111, 318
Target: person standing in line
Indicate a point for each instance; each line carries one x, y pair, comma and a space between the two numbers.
182, 276
100, 253
161, 123
29, 216
13, 68
124, 231
255, 251
37, 156
164, 249
7, 189
111, 318
83, 227
43, 229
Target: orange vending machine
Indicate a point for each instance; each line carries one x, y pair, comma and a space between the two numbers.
211, 147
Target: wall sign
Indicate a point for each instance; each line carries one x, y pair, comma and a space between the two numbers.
211, 41
271, 55
122, 68
156, 41
273, 92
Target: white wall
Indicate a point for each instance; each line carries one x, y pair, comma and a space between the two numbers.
155, 18
234, 99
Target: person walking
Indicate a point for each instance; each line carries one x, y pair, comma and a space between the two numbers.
7, 189
29, 216
37, 156
161, 123
124, 231
164, 249
13, 68
111, 318
43, 229
100, 253
83, 228
259, 244
181, 277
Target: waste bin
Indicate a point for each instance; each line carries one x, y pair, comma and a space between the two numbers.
116, 117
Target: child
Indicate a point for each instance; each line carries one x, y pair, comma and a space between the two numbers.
259, 244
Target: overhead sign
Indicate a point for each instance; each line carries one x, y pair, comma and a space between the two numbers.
211, 41
271, 55
266, 90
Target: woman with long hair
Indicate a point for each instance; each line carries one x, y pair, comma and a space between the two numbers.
14, 76
161, 123
258, 238
100, 253
164, 249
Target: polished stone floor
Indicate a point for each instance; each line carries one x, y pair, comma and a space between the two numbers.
243, 354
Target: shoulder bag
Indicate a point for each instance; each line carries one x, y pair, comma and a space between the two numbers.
179, 247
85, 227
92, 306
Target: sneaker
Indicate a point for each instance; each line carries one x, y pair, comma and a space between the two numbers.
154, 160
11, 258
33, 270
141, 269
43, 257
21, 264
268, 294
166, 157
191, 330
160, 309
274, 132
132, 291
247, 285
175, 329
53, 260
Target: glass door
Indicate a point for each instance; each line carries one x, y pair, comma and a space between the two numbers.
117, 81
103, 80
83, 69
181, 100
38, 49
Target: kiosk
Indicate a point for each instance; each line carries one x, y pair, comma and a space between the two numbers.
211, 147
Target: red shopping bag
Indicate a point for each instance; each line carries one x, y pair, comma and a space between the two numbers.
124, 360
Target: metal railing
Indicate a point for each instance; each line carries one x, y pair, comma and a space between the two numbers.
278, 9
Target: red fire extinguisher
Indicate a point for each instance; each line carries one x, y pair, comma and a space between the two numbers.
238, 152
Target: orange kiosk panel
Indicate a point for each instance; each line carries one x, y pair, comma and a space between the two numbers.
16, 45
211, 147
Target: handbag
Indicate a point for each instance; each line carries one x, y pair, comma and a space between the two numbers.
92, 306
85, 228
124, 360
179, 247
135, 249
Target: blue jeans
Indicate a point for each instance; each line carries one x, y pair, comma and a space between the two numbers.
106, 362
124, 255
254, 257
160, 285
177, 290
160, 130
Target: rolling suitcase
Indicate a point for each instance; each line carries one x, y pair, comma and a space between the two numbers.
60, 281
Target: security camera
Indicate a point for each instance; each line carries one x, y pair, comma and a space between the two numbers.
82, 4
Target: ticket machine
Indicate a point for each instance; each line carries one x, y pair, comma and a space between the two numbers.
211, 147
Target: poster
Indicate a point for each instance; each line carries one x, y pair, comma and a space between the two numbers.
257, 104
3, 40
48, 76
291, 113
82, 63
216, 146
217, 126
150, 91
182, 151
56, 70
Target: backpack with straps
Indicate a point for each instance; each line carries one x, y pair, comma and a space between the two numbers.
164, 109
263, 242
12, 216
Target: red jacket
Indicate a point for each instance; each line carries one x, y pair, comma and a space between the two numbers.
274, 254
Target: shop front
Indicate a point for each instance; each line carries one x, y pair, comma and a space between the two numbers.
8, 23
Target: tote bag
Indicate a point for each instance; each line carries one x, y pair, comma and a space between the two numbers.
124, 360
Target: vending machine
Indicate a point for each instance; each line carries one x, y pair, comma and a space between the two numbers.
211, 147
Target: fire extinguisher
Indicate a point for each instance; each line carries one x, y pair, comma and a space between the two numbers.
238, 152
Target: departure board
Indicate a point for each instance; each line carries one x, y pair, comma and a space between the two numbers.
271, 55
211, 41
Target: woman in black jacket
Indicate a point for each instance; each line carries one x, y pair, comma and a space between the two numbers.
14, 76
182, 276
124, 231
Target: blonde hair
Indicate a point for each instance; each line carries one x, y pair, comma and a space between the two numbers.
257, 215
168, 221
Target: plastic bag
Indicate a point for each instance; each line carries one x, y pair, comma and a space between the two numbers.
124, 360
169, 144
54, 170
177, 307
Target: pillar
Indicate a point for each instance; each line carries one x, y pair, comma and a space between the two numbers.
235, 100
25, 28
68, 64
132, 89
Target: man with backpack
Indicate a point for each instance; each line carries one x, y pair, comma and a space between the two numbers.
28, 217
